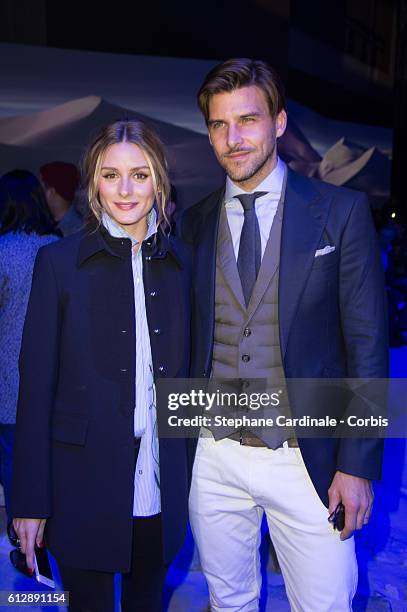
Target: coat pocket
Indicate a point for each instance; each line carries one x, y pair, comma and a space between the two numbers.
326, 261
69, 429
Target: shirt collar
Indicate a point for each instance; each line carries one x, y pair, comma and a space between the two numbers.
273, 183
117, 231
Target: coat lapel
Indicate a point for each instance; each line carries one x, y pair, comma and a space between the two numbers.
305, 215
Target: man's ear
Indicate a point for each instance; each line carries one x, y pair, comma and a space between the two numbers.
50, 191
281, 123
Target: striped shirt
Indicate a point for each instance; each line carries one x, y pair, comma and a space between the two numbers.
147, 500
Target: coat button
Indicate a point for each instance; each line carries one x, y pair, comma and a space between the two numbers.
124, 331
247, 332
148, 258
161, 368
153, 293
123, 369
157, 331
245, 358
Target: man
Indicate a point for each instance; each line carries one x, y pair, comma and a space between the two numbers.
288, 282
61, 180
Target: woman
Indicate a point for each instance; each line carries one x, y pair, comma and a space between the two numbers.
108, 313
25, 226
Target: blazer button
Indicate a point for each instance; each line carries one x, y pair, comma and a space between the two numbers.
245, 358
247, 332
123, 369
124, 331
148, 258
153, 293
157, 331
161, 368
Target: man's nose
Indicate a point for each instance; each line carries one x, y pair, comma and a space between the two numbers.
234, 136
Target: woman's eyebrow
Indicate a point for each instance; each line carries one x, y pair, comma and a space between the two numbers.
135, 168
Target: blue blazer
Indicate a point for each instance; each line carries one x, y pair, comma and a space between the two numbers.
332, 309
74, 457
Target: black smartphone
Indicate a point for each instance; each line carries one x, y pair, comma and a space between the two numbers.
337, 518
43, 572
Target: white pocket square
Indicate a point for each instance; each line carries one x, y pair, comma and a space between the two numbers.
325, 251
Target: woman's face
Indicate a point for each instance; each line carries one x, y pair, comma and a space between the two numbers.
126, 189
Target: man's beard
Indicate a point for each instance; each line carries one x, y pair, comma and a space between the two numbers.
240, 175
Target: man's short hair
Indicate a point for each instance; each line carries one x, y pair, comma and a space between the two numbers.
62, 176
242, 72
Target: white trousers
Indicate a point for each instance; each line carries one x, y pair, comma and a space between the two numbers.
232, 485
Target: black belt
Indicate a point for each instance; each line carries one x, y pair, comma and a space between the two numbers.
247, 438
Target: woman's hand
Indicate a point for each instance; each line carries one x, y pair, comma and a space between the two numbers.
30, 531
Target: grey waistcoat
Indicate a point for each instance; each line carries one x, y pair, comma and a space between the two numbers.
247, 341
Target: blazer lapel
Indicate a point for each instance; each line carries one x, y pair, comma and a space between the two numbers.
205, 271
305, 215
227, 260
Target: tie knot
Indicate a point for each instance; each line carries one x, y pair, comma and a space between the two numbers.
247, 199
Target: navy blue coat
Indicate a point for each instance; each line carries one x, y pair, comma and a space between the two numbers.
332, 309
74, 458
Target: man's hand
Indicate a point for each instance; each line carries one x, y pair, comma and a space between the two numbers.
30, 531
356, 494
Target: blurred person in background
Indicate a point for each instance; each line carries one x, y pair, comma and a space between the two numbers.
61, 180
25, 226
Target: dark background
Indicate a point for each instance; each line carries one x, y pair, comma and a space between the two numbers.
346, 59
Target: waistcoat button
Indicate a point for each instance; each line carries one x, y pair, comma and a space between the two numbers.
247, 332
245, 358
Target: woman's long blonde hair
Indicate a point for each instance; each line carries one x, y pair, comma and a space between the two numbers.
140, 134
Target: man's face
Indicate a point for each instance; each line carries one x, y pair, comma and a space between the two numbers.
243, 134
